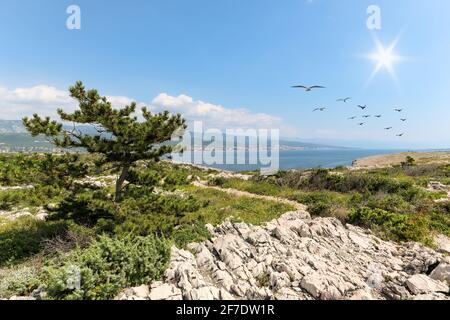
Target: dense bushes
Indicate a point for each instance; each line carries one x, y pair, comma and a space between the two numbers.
355, 182
440, 218
154, 214
391, 201
325, 203
85, 206
398, 227
126, 243
47, 169
17, 169
19, 281
105, 267
190, 232
24, 237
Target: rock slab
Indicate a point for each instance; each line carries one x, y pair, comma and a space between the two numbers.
296, 257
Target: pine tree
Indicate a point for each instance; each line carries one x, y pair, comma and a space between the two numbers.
120, 138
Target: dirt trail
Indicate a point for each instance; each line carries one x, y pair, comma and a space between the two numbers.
239, 193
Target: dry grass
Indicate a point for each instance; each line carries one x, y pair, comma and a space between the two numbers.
387, 160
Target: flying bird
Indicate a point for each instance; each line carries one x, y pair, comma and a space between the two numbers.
344, 99
366, 116
378, 116
388, 128
398, 110
308, 88
362, 107
403, 120
352, 118
361, 124
319, 109
400, 135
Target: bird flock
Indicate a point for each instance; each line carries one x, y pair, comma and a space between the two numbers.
365, 117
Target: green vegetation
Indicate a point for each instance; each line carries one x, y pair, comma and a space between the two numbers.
393, 202
106, 266
121, 140
218, 205
86, 228
23, 238
119, 234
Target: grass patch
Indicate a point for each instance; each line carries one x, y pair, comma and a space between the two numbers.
219, 206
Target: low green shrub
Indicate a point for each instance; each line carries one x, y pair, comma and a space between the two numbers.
38, 196
19, 281
24, 237
85, 206
42, 169
105, 267
398, 227
153, 214
190, 233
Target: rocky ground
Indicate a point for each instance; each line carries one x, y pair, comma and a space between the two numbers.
294, 257
297, 257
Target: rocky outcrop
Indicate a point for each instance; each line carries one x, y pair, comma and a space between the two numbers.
442, 271
230, 175
296, 257
17, 213
442, 243
2, 188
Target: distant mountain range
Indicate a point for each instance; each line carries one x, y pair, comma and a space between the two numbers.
11, 126
14, 136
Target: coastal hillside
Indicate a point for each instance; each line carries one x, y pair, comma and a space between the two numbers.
182, 231
296, 257
387, 160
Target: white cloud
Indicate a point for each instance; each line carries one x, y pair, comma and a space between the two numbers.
41, 93
119, 101
44, 100
214, 115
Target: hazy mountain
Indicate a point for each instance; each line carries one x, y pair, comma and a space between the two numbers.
16, 126
11, 126
13, 135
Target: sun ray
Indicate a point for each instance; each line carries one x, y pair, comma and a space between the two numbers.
384, 58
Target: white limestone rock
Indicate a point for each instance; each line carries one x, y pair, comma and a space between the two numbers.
441, 273
296, 257
422, 284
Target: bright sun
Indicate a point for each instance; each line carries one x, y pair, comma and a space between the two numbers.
384, 58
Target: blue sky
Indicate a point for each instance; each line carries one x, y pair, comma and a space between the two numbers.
208, 58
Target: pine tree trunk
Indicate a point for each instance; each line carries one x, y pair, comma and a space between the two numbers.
120, 181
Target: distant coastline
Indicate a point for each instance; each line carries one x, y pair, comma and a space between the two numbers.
386, 160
